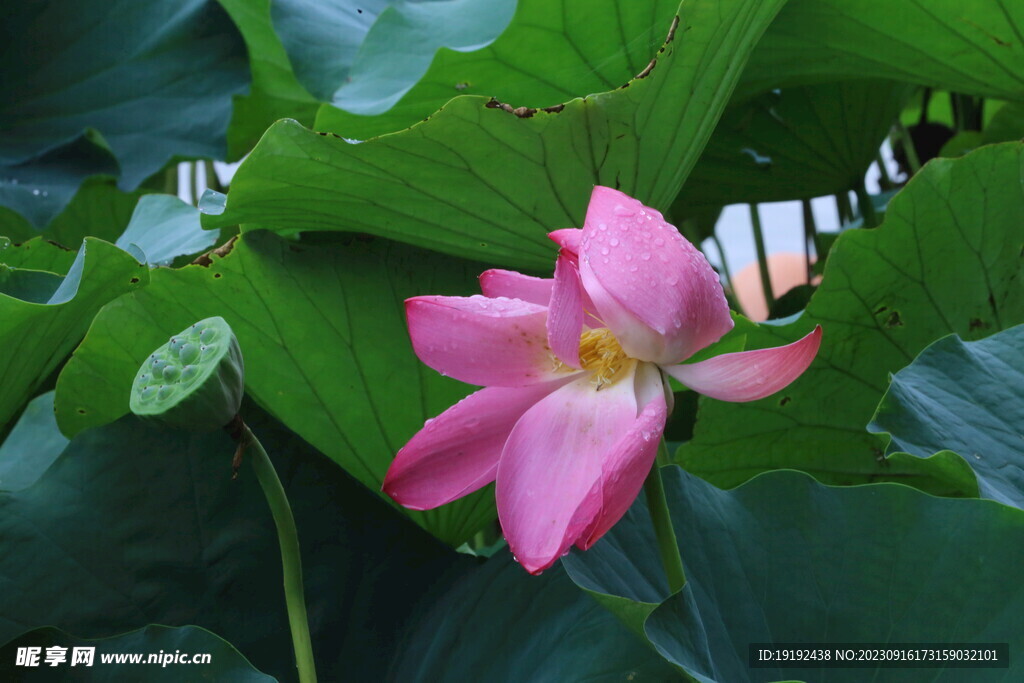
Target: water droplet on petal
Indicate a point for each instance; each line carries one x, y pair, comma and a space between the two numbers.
614, 242
646, 256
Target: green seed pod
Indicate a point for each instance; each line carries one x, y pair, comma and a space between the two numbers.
195, 381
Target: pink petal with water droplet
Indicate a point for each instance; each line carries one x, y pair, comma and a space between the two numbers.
508, 283
567, 238
565, 313
457, 452
483, 341
550, 473
626, 466
669, 308
749, 375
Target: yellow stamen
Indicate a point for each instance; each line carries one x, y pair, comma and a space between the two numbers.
600, 355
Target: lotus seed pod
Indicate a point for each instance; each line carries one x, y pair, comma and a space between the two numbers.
195, 381
188, 353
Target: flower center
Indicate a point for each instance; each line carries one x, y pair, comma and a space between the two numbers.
601, 355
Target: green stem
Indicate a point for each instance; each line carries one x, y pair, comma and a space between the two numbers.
668, 548
885, 180
913, 161
291, 561
212, 181
762, 258
810, 236
867, 208
171, 180
843, 208
197, 189
721, 257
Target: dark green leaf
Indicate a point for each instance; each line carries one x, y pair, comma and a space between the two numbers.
795, 144
275, 94
36, 336
964, 397
481, 181
135, 525
501, 624
225, 665
973, 47
946, 260
322, 328
381, 75
34, 192
32, 446
551, 52
155, 79
321, 38
786, 559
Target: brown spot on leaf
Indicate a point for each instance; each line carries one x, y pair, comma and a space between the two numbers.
647, 69
977, 324
894, 320
671, 35
223, 250
522, 112
134, 281
785, 400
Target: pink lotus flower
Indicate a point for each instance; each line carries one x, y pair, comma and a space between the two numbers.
575, 400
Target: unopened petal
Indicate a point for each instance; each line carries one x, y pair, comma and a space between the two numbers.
512, 285
565, 312
457, 452
549, 478
477, 340
749, 375
567, 238
655, 290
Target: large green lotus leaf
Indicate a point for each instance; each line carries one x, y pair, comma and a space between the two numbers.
784, 558
966, 397
155, 79
322, 328
275, 93
487, 181
796, 143
135, 525
380, 75
37, 254
37, 335
97, 209
321, 38
225, 664
164, 227
972, 47
498, 623
946, 260
33, 193
32, 445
